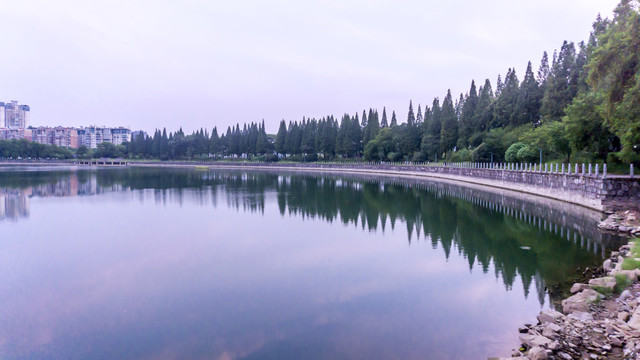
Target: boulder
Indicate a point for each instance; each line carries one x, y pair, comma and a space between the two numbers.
634, 322
532, 340
580, 301
537, 353
623, 316
607, 282
581, 315
630, 274
577, 287
606, 265
551, 330
549, 316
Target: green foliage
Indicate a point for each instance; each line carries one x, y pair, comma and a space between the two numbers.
602, 290
511, 154
26, 149
630, 263
622, 282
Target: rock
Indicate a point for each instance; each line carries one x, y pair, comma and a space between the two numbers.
546, 332
577, 287
537, 353
625, 295
616, 342
549, 316
607, 282
606, 265
634, 322
625, 229
564, 355
580, 301
581, 316
534, 340
623, 316
605, 225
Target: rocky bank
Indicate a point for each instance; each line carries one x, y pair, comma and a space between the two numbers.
601, 320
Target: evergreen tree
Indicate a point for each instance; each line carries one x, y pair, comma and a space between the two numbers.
410, 116
281, 145
506, 102
558, 92
394, 122
527, 109
467, 117
383, 122
484, 111
449, 132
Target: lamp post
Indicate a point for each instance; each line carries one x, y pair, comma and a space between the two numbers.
491, 158
540, 157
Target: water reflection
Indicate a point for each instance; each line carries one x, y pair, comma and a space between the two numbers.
541, 241
260, 264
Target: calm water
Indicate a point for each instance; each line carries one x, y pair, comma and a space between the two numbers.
164, 264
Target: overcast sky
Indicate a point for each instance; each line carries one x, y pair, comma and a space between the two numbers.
148, 64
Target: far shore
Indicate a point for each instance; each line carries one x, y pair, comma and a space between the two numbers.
342, 168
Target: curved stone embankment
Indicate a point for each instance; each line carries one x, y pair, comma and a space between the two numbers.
589, 190
595, 322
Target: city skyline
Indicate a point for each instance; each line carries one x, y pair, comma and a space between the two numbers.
158, 65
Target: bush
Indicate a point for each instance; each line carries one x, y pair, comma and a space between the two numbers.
511, 155
527, 154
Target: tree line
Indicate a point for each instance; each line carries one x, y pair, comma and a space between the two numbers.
580, 104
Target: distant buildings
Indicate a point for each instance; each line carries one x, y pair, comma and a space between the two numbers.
15, 125
92, 136
60, 136
13, 115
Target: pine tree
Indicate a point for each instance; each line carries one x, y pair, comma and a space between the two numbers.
499, 86
383, 122
527, 109
449, 132
281, 138
394, 122
411, 119
467, 117
506, 102
558, 92
484, 113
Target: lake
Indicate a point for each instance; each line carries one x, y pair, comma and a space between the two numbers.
159, 263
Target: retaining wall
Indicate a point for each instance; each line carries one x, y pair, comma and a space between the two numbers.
594, 190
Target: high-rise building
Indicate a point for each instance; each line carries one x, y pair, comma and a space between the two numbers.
15, 115
60, 136
92, 136
3, 123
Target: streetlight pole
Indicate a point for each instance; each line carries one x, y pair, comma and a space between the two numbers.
540, 157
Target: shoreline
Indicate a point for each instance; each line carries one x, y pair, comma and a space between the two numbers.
488, 183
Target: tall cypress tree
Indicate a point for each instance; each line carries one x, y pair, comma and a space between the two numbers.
394, 121
484, 112
383, 122
281, 138
449, 132
527, 109
411, 118
467, 117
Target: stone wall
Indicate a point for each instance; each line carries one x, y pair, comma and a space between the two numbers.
586, 187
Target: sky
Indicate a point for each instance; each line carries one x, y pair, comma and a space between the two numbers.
199, 64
